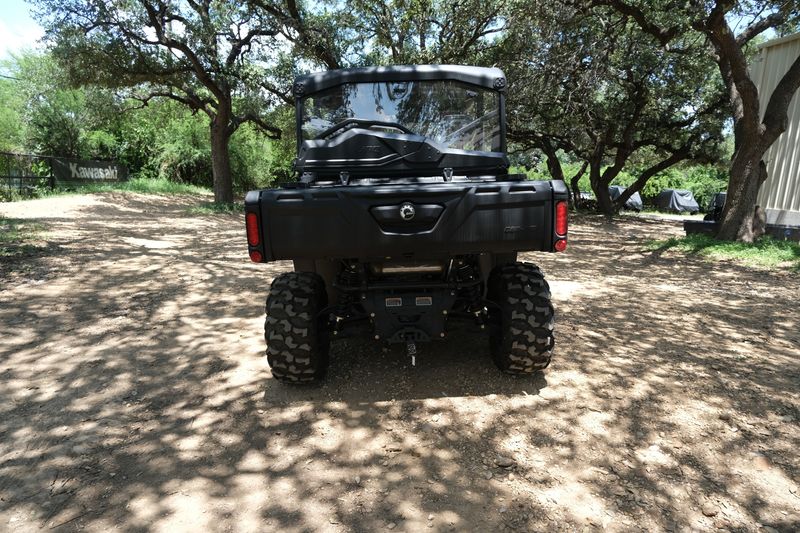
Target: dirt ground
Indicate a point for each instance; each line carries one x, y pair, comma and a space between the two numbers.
134, 395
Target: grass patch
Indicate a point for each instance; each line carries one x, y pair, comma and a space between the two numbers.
145, 186
16, 233
140, 185
214, 208
765, 253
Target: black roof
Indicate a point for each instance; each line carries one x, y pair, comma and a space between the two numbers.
491, 78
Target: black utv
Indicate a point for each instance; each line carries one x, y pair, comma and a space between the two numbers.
404, 222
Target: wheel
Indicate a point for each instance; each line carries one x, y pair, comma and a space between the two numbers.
521, 335
297, 347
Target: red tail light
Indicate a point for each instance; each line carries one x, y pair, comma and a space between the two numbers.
562, 211
251, 220
255, 256
560, 245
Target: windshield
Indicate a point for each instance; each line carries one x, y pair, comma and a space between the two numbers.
455, 114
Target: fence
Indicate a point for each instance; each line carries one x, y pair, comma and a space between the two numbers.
25, 173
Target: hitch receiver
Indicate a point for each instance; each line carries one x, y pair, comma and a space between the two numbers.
411, 348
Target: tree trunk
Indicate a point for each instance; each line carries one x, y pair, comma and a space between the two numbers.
575, 186
753, 136
604, 203
553, 163
600, 189
747, 175
220, 158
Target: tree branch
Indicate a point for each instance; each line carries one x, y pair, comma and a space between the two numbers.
776, 118
663, 35
759, 27
271, 131
674, 158
192, 103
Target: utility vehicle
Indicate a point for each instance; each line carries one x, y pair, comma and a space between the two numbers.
404, 222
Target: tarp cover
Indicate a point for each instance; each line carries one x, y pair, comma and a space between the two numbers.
634, 202
677, 201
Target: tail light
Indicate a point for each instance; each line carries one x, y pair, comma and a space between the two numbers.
562, 211
253, 238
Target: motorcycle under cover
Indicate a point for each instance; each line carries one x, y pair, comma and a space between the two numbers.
366, 221
634, 202
677, 201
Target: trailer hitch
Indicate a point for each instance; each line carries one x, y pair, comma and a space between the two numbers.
411, 349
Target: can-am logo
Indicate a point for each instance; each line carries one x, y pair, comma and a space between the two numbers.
407, 211
92, 173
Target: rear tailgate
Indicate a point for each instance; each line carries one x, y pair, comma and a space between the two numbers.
376, 222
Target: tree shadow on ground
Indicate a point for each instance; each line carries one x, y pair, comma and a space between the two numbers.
135, 396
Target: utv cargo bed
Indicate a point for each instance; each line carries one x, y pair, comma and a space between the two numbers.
405, 221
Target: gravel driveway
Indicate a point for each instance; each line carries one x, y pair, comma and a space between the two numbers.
134, 395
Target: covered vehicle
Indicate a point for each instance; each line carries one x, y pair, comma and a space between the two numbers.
584, 200
634, 203
677, 201
715, 206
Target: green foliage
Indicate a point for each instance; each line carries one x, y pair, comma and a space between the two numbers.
44, 115
421, 31
99, 144
210, 57
766, 252
182, 152
540, 172
284, 149
214, 208
12, 124
10, 195
703, 180
251, 159
164, 140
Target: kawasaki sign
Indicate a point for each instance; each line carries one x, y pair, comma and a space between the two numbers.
86, 170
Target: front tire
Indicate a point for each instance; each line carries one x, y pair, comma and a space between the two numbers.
297, 345
522, 338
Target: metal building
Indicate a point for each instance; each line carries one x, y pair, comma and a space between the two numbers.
780, 194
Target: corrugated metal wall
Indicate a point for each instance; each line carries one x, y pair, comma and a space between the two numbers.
781, 192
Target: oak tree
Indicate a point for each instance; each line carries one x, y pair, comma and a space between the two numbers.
589, 84
729, 28
210, 56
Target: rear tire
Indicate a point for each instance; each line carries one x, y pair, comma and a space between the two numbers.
521, 338
297, 347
